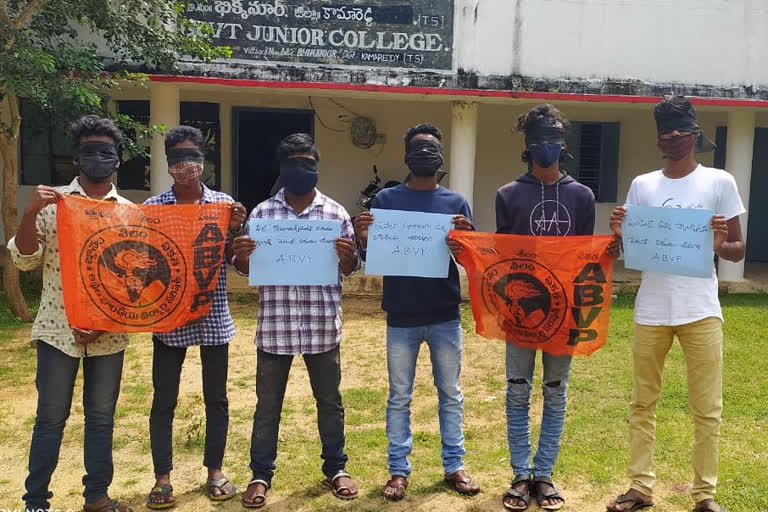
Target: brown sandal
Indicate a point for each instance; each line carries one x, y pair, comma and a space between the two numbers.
461, 481
106, 505
398, 484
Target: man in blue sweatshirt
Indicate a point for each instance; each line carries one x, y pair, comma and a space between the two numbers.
423, 309
543, 202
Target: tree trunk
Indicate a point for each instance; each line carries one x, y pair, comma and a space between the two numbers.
11, 282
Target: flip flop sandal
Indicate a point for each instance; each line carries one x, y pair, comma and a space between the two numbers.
219, 484
107, 506
260, 499
399, 483
338, 491
543, 496
161, 497
710, 507
637, 503
462, 483
525, 497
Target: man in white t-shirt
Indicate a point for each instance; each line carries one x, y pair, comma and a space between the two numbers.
688, 308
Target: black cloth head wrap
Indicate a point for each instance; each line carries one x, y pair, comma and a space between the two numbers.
178, 155
545, 131
423, 145
423, 157
93, 148
667, 122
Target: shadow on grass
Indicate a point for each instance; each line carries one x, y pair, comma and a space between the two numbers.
317, 497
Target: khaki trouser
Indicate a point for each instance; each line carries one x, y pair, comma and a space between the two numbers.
702, 343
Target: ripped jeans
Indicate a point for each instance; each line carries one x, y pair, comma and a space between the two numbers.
520, 366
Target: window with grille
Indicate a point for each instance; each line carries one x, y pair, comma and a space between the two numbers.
595, 163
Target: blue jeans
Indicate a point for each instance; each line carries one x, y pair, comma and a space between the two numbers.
55, 380
520, 365
403, 343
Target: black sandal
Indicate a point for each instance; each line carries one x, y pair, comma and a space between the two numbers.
553, 494
637, 503
525, 497
161, 497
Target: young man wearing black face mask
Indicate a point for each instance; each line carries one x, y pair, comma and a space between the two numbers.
543, 202
60, 347
421, 309
297, 320
688, 308
183, 149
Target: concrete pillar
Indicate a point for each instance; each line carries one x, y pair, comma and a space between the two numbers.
164, 109
738, 161
225, 129
463, 148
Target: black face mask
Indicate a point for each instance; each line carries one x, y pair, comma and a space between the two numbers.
179, 155
423, 157
299, 175
97, 160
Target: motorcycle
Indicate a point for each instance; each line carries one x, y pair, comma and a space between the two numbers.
368, 194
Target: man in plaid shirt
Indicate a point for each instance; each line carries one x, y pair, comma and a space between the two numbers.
297, 320
183, 148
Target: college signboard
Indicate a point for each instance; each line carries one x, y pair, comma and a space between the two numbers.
376, 33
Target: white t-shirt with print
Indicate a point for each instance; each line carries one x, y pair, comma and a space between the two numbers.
666, 299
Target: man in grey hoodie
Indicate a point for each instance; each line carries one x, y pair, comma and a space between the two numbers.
543, 202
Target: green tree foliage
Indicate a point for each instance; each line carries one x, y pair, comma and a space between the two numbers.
66, 57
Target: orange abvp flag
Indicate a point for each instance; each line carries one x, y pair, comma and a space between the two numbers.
547, 293
139, 268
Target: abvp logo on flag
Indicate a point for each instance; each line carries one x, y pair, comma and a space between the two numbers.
139, 268
541, 292
130, 280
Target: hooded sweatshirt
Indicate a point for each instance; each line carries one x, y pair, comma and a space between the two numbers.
528, 207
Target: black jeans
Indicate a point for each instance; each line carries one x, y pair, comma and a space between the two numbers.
271, 380
55, 381
166, 373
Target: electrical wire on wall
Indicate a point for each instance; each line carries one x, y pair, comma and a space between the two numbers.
320, 119
343, 107
362, 129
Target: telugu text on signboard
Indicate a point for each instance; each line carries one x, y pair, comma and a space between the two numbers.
378, 33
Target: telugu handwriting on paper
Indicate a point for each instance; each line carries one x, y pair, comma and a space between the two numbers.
669, 240
411, 244
293, 252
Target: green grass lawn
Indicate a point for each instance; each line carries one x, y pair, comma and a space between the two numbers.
590, 470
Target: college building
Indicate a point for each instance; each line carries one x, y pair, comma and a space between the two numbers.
358, 75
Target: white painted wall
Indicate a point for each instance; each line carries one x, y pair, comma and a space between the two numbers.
712, 42
345, 169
